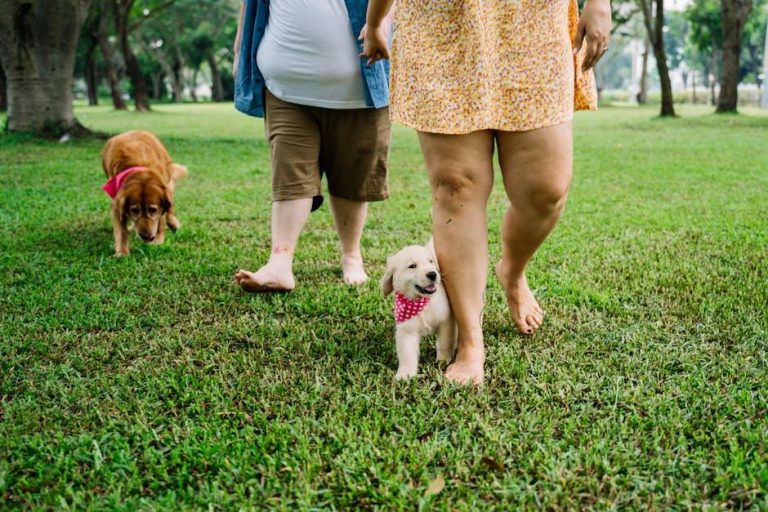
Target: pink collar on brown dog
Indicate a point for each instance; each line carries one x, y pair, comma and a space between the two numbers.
112, 187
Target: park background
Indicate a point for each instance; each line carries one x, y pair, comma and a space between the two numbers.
152, 382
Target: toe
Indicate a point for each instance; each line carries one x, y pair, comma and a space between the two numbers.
524, 327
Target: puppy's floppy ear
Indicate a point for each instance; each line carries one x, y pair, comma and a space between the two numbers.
387, 283
431, 247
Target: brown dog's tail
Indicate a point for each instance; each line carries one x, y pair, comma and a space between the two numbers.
178, 172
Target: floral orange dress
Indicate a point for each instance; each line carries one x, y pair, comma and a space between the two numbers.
460, 66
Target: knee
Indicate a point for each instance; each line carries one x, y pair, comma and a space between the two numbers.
549, 199
457, 185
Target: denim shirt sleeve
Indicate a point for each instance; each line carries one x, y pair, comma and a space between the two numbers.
376, 76
249, 84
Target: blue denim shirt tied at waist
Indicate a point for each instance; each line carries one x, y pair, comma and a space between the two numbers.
249, 84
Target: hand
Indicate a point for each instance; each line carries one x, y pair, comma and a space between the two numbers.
235, 63
595, 24
374, 43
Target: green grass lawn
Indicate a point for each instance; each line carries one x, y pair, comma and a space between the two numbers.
153, 382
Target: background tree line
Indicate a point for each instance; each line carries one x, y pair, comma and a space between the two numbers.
140, 51
720, 41
130, 51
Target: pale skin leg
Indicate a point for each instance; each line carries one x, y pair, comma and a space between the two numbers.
288, 219
349, 217
460, 169
537, 169
407, 354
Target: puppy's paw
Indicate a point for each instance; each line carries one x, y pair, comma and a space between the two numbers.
444, 356
404, 374
120, 253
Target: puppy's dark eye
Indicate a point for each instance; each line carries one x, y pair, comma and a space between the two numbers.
412, 266
152, 210
134, 210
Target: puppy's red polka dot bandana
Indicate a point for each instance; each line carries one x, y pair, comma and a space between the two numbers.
406, 308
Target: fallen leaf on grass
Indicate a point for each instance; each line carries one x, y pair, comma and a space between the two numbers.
492, 464
435, 486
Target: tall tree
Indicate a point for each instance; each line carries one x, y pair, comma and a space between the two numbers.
735, 14
38, 41
102, 34
764, 102
653, 17
706, 37
3, 91
122, 17
89, 42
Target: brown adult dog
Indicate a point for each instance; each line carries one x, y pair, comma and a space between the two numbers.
141, 178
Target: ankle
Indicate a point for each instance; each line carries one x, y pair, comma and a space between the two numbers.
280, 260
352, 256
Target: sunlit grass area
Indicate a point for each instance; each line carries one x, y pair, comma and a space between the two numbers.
153, 382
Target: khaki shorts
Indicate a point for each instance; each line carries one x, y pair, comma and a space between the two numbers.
350, 147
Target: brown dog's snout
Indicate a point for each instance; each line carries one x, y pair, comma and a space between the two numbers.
432, 276
147, 237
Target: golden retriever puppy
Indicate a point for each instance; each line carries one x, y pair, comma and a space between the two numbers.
421, 306
140, 181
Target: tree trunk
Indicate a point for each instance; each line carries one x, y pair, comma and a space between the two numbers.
734, 13
193, 87
764, 102
122, 9
157, 81
177, 81
3, 91
693, 87
38, 41
217, 88
109, 63
91, 78
653, 16
642, 96
713, 78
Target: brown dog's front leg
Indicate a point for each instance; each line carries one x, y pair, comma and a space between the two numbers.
120, 232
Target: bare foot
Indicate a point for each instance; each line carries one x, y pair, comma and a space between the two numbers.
352, 270
266, 279
468, 367
525, 311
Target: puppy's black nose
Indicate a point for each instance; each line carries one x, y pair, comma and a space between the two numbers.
431, 276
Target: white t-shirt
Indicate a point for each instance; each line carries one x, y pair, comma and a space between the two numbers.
308, 54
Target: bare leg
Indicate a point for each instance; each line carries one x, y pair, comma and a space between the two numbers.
288, 219
349, 217
537, 166
460, 171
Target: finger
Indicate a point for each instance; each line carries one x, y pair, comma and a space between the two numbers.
591, 53
579, 37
